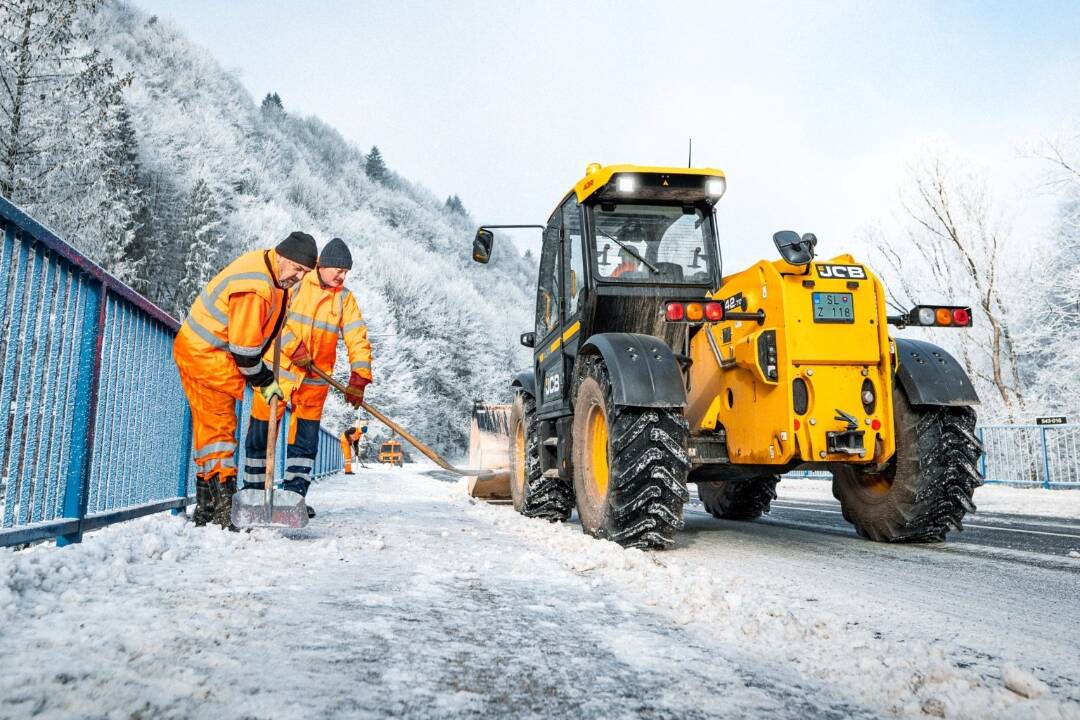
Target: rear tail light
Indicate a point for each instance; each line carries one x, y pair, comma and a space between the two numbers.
693, 312
939, 316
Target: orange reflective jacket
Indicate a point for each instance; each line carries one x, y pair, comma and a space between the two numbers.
319, 315
231, 324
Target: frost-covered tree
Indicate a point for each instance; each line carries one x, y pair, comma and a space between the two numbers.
200, 235
272, 106
454, 205
1054, 352
55, 90
946, 247
375, 165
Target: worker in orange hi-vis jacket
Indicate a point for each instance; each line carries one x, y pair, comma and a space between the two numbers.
321, 311
220, 347
350, 445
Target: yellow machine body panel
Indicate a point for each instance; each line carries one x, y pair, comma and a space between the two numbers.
825, 324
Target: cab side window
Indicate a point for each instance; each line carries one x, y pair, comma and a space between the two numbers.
575, 261
547, 291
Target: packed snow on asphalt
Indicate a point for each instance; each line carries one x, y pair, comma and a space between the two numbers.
404, 597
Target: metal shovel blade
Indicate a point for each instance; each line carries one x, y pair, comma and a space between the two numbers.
281, 508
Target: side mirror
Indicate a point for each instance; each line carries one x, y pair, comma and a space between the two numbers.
794, 249
481, 246
528, 339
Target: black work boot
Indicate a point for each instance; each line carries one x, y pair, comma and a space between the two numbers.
204, 502
223, 495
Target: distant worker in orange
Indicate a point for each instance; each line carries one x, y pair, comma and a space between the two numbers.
220, 347
350, 445
321, 311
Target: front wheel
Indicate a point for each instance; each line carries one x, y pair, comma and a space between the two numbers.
533, 494
926, 488
630, 466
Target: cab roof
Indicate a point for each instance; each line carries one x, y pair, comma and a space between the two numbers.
599, 176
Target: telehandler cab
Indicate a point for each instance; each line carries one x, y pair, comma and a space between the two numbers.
651, 371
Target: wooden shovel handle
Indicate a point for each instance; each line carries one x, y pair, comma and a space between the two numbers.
428, 452
272, 427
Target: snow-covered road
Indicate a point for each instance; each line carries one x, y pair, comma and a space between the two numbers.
405, 598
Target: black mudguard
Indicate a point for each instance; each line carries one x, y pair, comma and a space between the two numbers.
642, 369
526, 381
931, 376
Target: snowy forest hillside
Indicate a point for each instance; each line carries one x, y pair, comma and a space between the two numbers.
163, 168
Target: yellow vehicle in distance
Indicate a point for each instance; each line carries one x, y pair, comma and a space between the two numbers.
390, 453
651, 371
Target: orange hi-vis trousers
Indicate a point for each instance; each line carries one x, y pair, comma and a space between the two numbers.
346, 450
213, 423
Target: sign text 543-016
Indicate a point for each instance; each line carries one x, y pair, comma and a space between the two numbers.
1060, 420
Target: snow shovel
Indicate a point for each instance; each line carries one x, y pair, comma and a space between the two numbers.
496, 475
270, 508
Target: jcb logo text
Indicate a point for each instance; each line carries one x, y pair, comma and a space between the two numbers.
842, 272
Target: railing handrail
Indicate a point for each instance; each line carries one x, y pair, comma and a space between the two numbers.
47, 237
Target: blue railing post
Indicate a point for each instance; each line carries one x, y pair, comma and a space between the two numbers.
85, 408
185, 460
1046, 459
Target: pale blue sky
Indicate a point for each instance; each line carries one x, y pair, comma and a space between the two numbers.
811, 108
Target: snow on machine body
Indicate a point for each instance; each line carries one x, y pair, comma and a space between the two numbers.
651, 371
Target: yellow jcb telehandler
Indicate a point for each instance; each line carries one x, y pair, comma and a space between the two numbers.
651, 371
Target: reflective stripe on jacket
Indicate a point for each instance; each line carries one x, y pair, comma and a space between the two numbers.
232, 323
319, 316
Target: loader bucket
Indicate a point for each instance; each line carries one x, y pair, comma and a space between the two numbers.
489, 447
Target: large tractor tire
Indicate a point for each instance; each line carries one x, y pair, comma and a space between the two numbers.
533, 495
630, 466
925, 490
738, 499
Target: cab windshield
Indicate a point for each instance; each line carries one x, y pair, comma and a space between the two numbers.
652, 243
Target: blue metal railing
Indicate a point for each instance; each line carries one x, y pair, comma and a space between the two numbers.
1035, 455
1046, 456
94, 426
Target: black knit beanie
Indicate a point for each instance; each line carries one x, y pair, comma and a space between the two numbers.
336, 255
300, 248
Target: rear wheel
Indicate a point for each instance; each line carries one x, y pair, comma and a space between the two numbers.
630, 466
533, 495
925, 490
738, 499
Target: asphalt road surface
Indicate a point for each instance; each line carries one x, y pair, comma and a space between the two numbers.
1024, 533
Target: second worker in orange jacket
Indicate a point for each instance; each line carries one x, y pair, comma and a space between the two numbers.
321, 311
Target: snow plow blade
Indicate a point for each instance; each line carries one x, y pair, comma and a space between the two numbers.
489, 447
280, 508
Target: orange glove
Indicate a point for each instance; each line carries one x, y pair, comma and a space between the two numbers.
300, 356
354, 394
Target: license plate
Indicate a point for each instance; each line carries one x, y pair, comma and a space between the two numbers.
833, 307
